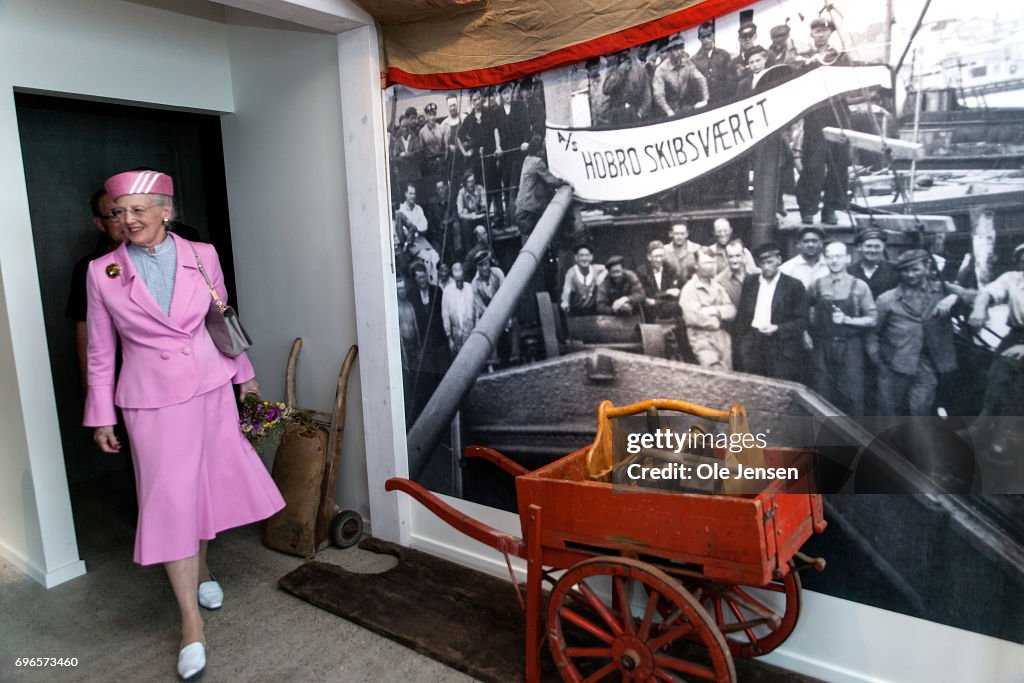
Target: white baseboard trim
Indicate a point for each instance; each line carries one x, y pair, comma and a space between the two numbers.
48, 579
72, 570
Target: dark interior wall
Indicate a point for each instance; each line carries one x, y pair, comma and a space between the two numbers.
69, 147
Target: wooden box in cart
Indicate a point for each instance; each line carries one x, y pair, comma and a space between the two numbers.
744, 539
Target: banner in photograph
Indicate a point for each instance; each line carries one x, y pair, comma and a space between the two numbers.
630, 163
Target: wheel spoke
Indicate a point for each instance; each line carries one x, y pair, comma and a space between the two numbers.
742, 619
665, 676
743, 595
622, 595
645, 624
736, 611
602, 672
587, 625
670, 636
717, 602
600, 608
689, 668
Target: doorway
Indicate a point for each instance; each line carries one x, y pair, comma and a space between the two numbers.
69, 147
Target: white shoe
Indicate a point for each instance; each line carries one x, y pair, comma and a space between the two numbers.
211, 595
192, 661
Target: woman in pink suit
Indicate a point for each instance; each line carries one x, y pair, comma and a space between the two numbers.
195, 472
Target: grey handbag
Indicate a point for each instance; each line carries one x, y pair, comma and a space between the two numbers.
222, 322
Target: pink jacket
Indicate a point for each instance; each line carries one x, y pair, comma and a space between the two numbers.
165, 359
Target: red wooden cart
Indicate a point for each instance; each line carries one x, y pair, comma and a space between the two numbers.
657, 585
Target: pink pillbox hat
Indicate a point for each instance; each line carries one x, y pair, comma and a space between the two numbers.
139, 182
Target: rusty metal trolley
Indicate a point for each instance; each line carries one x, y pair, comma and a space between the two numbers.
646, 570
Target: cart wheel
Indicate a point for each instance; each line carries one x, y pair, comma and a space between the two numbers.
632, 642
346, 529
751, 627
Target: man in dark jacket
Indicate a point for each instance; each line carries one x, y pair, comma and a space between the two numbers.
536, 183
628, 88
476, 133
620, 293
661, 284
513, 136
431, 350
825, 164
716, 65
913, 342
771, 319
873, 268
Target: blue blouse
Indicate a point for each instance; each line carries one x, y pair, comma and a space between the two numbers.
157, 270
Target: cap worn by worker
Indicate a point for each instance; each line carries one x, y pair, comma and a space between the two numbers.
911, 258
822, 22
431, 108
811, 229
614, 261
767, 249
872, 234
748, 30
139, 182
779, 32
706, 29
482, 258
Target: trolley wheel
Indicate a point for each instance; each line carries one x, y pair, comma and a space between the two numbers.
346, 528
751, 627
632, 642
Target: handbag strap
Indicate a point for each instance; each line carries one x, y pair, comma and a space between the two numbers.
213, 292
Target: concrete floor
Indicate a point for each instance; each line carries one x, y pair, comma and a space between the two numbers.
121, 622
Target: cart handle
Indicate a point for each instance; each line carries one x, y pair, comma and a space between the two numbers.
608, 410
599, 456
459, 521
494, 457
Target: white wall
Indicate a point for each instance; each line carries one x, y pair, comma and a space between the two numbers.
285, 166
101, 49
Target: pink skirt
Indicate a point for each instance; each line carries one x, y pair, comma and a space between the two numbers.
195, 475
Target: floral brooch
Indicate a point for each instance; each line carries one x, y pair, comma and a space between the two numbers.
113, 270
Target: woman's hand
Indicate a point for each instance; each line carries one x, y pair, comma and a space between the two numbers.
248, 387
106, 439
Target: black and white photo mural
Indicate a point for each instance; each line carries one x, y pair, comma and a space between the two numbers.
818, 213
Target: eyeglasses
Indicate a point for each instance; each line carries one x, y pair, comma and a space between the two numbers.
137, 211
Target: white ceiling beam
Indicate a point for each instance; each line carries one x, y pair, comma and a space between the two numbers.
333, 16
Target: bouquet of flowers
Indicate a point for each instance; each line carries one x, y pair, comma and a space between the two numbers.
263, 422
